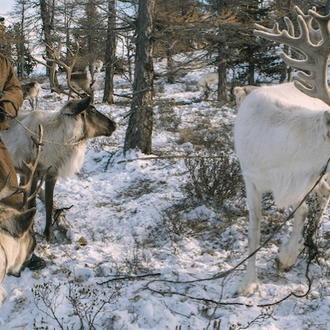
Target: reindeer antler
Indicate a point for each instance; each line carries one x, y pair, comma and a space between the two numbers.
32, 166
68, 68
313, 44
9, 190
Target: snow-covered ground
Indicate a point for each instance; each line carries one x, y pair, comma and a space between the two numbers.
149, 260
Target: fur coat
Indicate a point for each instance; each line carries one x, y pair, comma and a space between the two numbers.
11, 87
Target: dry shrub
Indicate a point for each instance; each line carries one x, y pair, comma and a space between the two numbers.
189, 135
215, 177
167, 118
199, 136
214, 170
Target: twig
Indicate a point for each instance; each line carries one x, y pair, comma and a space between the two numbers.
129, 277
165, 157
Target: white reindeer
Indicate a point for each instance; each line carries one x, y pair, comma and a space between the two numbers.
206, 79
97, 66
65, 137
282, 139
241, 92
31, 92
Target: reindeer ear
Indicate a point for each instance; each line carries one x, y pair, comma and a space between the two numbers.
16, 224
82, 105
74, 108
24, 221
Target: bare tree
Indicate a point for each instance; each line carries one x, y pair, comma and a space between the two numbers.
177, 27
20, 41
47, 18
6, 39
110, 53
222, 60
139, 130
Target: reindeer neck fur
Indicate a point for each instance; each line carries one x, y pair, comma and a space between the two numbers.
70, 133
64, 139
276, 120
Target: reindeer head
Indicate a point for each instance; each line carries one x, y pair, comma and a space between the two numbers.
16, 237
17, 241
95, 123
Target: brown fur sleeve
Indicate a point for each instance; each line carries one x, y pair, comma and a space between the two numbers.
10, 85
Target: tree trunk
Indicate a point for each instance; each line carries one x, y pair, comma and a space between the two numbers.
139, 130
251, 72
222, 60
47, 29
20, 64
110, 53
222, 83
327, 8
170, 68
128, 42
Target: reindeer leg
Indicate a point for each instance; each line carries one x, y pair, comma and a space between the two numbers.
289, 250
250, 283
322, 193
49, 204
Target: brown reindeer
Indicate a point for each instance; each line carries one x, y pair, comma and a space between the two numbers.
65, 137
17, 241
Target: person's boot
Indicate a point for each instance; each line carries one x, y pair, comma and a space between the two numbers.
34, 263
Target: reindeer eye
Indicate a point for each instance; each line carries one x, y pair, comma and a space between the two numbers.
92, 110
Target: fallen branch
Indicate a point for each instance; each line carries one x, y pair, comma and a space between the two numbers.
165, 157
129, 277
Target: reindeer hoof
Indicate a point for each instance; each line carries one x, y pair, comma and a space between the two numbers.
281, 266
16, 274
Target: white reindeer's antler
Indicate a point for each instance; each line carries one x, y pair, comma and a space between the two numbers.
313, 44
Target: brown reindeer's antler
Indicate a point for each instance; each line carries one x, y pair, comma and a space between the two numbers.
313, 44
9, 190
32, 167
